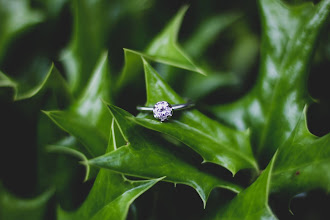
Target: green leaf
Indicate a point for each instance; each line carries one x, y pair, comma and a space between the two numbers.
164, 49
52, 8
15, 17
53, 81
252, 203
71, 150
216, 143
299, 165
130, 70
87, 41
207, 32
109, 198
88, 119
198, 86
113, 192
7, 86
145, 156
93, 21
302, 162
273, 107
13, 208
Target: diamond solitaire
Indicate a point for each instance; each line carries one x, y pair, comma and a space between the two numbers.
162, 110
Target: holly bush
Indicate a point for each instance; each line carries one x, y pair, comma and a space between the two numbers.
73, 145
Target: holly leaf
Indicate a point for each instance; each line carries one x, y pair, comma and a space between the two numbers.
273, 106
215, 142
197, 86
299, 165
12, 207
87, 41
145, 156
302, 162
93, 21
53, 81
113, 194
163, 49
252, 203
88, 119
15, 17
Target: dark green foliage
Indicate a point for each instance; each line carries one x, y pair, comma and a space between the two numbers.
73, 145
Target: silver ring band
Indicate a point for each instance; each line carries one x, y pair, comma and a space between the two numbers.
163, 110
174, 107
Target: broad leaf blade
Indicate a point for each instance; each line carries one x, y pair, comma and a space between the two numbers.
252, 203
76, 126
93, 21
88, 119
145, 156
302, 162
164, 49
273, 107
109, 198
87, 41
53, 80
216, 143
113, 193
90, 105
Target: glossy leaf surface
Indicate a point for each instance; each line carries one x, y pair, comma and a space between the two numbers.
239, 58
273, 107
88, 115
252, 203
109, 198
111, 194
302, 163
145, 156
55, 121
216, 143
87, 41
163, 49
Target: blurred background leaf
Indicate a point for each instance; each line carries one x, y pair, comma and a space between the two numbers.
49, 54
12, 208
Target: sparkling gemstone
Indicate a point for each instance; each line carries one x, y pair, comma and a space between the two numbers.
162, 110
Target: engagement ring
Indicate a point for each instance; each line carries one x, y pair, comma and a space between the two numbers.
163, 110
